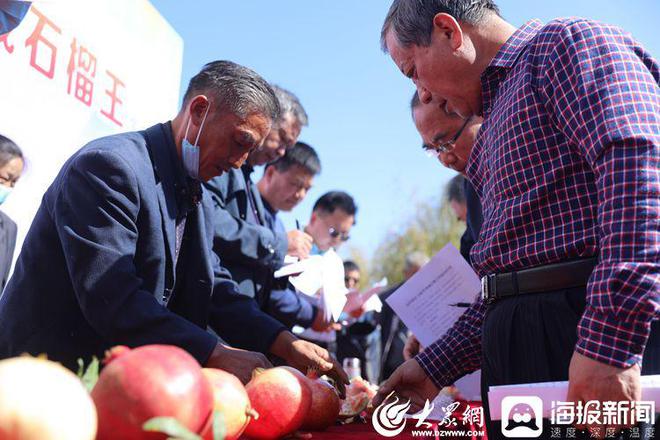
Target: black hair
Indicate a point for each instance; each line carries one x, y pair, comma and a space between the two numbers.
350, 265
456, 189
302, 155
333, 200
8, 150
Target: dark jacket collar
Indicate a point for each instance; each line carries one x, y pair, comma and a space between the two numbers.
269, 208
168, 167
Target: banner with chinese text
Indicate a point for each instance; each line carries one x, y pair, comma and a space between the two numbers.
77, 70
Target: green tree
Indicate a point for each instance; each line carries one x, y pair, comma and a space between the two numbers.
430, 228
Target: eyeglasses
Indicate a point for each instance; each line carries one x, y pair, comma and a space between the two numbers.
445, 147
336, 234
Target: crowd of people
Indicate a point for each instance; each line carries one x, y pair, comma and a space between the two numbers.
162, 236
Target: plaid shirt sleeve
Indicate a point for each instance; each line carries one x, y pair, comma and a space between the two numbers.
458, 352
603, 93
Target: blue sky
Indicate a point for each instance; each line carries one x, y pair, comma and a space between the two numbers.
328, 53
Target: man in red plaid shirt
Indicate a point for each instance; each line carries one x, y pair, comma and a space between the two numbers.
567, 168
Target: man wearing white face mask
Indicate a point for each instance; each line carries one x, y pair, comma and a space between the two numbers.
11, 168
242, 238
119, 253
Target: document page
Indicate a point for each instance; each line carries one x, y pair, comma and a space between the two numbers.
436, 296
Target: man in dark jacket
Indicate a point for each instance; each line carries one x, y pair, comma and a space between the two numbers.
284, 185
11, 168
119, 250
250, 249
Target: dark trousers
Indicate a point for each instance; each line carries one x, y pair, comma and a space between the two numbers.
531, 338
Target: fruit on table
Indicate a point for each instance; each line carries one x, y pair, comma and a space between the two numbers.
146, 382
324, 410
232, 401
41, 400
358, 396
282, 398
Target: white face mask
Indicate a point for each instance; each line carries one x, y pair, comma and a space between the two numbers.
4, 192
190, 152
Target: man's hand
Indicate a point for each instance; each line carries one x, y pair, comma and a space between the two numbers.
410, 382
412, 347
592, 380
304, 355
238, 362
357, 313
300, 243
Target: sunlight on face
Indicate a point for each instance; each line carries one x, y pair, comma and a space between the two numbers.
331, 230
227, 140
439, 71
285, 190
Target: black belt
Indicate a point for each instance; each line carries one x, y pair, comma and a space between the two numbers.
539, 279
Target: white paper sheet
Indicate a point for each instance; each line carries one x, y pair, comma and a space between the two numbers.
557, 391
424, 302
297, 266
310, 281
373, 304
367, 299
290, 259
334, 291
322, 278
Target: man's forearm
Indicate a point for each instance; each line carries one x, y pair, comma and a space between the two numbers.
458, 352
282, 345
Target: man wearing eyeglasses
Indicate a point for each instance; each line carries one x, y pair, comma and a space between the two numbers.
445, 136
449, 138
333, 216
250, 247
566, 166
283, 186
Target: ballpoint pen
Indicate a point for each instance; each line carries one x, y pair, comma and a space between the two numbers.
460, 304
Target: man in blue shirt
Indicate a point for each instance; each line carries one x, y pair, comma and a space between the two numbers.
283, 186
249, 249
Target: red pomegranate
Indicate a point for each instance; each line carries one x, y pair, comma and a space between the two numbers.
150, 381
232, 401
282, 398
325, 406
